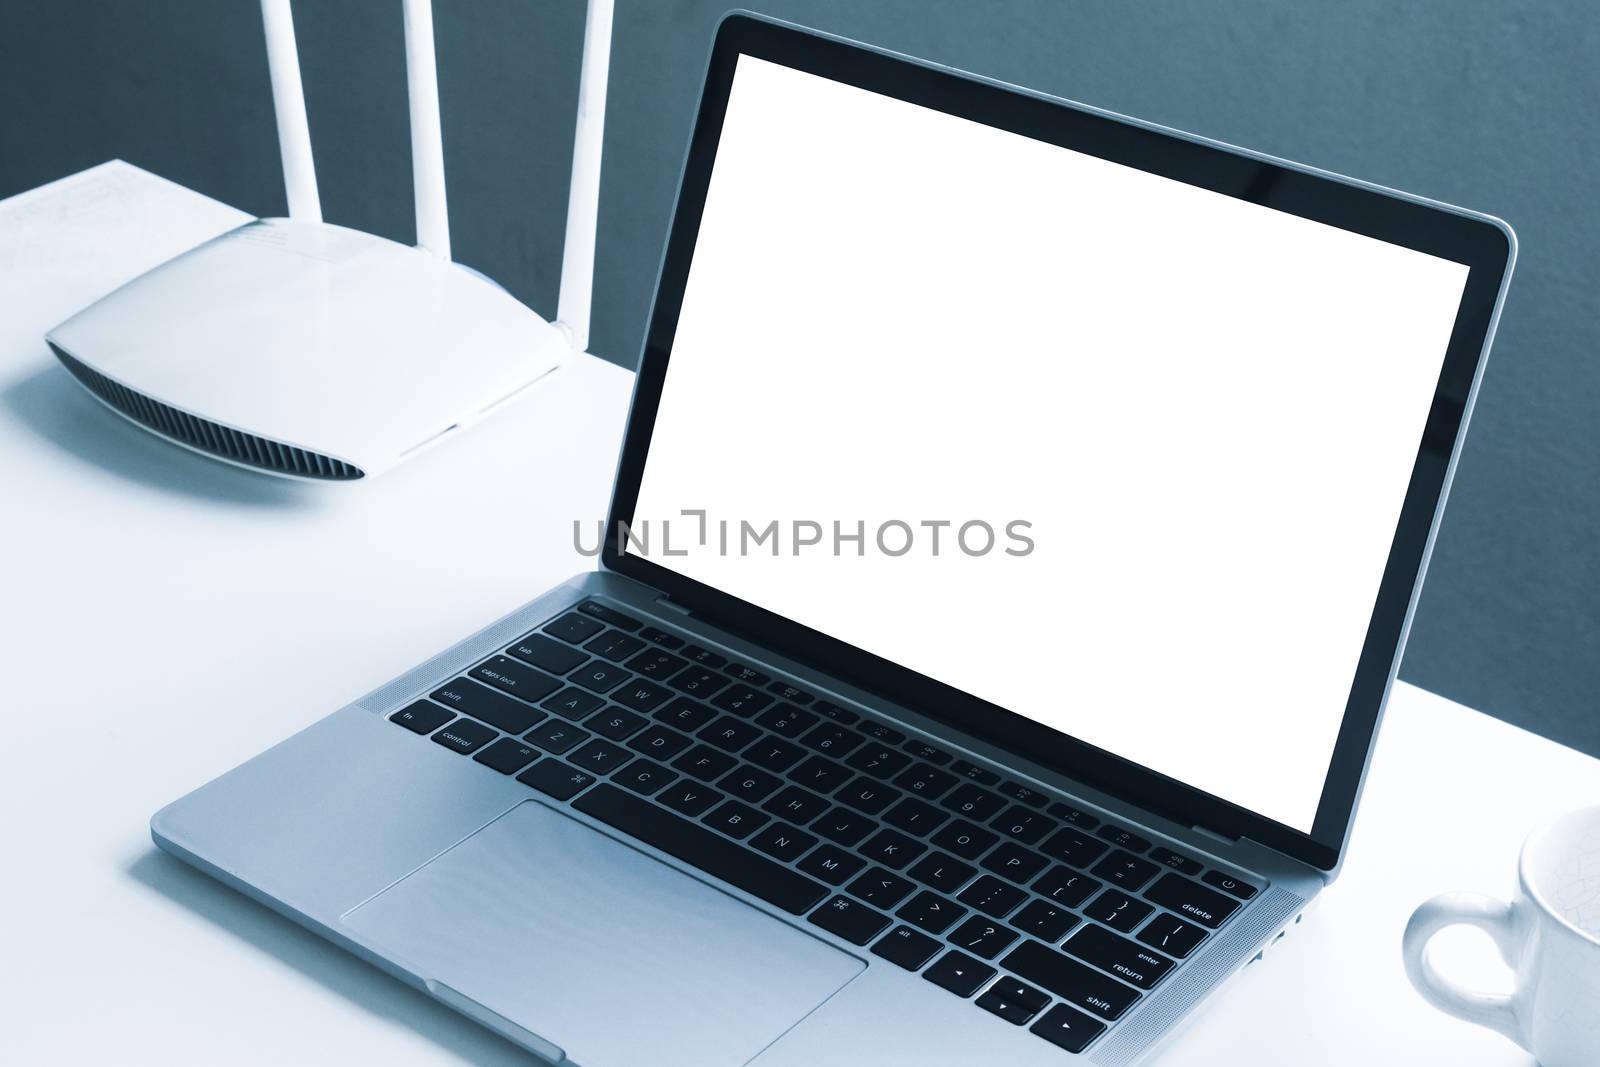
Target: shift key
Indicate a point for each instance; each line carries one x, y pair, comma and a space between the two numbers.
1074, 982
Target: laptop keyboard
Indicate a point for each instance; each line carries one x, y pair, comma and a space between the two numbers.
1040, 912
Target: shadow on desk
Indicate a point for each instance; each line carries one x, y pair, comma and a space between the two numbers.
56, 408
364, 985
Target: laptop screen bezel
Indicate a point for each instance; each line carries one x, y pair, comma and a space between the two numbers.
1482, 244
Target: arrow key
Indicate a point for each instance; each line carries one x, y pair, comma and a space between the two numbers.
959, 973
1068, 1028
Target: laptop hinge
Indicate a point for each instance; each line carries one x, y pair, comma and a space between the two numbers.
1205, 831
665, 601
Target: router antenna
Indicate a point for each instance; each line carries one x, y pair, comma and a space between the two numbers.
427, 146
289, 105
583, 195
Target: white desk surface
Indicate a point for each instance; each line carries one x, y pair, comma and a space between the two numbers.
166, 617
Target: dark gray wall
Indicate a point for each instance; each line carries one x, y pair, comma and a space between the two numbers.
1494, 104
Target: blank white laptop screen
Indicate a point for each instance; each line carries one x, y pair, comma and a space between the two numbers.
1200, 414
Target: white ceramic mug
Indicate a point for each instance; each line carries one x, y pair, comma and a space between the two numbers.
1550, 935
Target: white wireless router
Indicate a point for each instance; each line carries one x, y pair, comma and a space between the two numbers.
313, 351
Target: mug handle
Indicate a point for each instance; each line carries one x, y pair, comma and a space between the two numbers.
1494, 917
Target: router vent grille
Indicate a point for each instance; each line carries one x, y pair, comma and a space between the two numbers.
207, 436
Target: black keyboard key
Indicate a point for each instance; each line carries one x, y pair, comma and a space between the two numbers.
556, 779
1172, 935
786, 719
959, 973
866, 795
782, 841
546, 654
879, 760
743, 700
878, 731
843, 826
1072, 980
774, 754
1027, 794
850, 919
1044, 920
465, 736
1071, 846
835, 712
795, 804
556, 736
833, 865
599, 676
600, 757
1128, 960
924, 781
610, 615
993, 897
1014, 1001
507, 755
784, 691
1124, 838
617, 724
968, 769
701, 848
573, 628
964, 839
659, 743
944, 873
729, 734
645, 777
481, 702
698, 682
655, 664
915, 817
905, 947
880, 888
742, 673
641, 695
1076, 816
705, 763
661, 637
749, 784
982, 937
422, 717
1013, 861
927, 753
685, 714
1117, 910
1182, 864
831, 739
735, 819
930, 912
613, 645
821, 775
1127, 871
1065, 886
703, 656
1228, 884
1067, 1028
1023, 825
892, 848
689, 797
974, 803
573, 704
1192, 900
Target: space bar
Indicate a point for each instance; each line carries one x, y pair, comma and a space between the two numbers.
701, 848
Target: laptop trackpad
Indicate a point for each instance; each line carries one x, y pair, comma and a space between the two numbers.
602, 950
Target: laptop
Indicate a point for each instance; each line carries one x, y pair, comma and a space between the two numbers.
1019, 518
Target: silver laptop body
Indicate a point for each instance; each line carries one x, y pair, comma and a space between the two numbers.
576, 916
